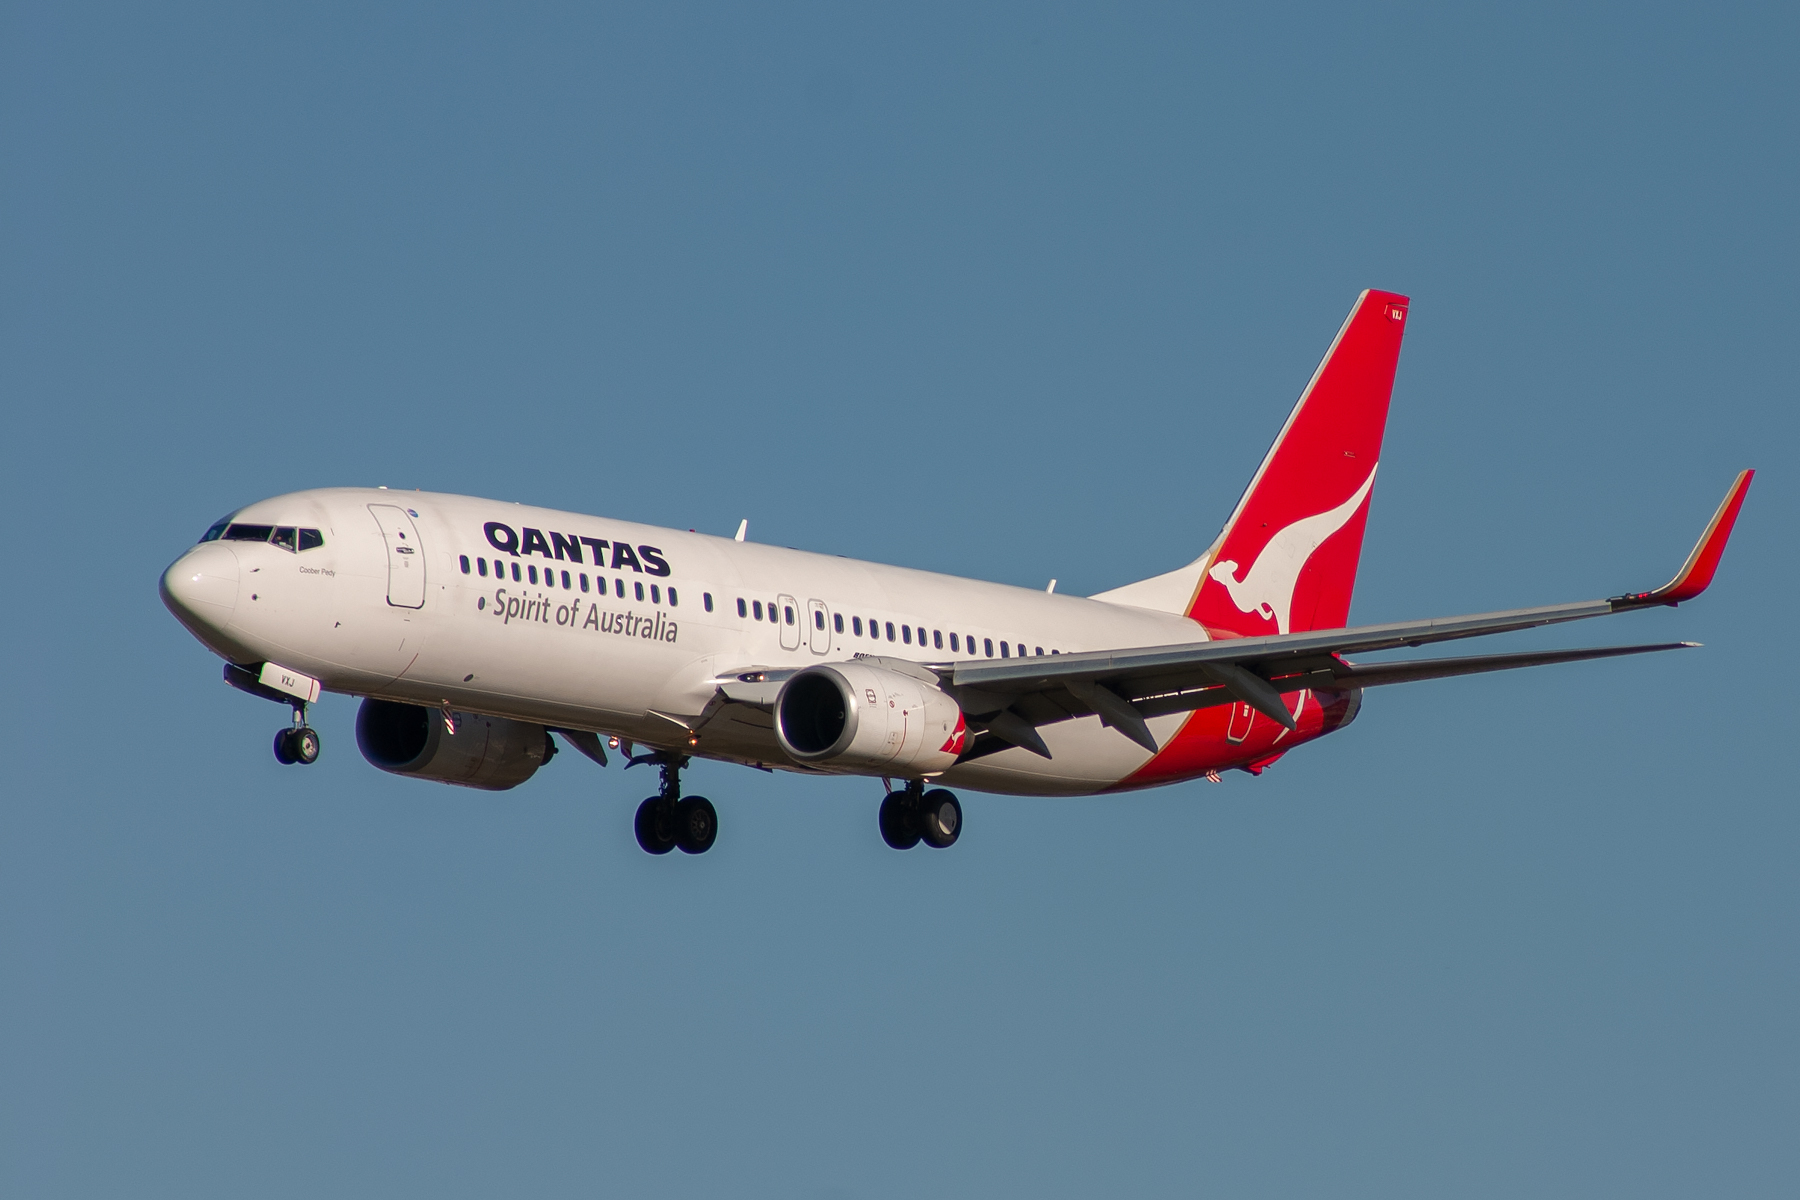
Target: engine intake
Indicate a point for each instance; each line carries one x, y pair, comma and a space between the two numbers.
491, 753
861, 719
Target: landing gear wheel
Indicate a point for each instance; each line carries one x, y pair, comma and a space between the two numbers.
940, 818
284, 747
655, 825
696, 824
899, 821
304, 744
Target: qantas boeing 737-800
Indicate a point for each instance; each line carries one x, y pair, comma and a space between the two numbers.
475, 629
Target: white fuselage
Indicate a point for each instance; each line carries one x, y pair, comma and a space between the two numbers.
634, 645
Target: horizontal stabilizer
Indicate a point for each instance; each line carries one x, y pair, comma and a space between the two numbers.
1377, 674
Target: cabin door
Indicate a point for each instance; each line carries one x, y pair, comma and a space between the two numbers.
405, 556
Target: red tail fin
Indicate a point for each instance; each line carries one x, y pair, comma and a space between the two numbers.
1287, 558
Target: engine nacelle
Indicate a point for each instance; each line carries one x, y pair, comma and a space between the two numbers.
491, 753
862, 719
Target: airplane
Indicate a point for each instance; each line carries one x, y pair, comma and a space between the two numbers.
474, 630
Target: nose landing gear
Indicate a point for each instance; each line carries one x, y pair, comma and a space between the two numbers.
669, 821
299, 744
913, 815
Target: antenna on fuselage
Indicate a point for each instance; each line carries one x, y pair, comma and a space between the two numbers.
1051, 590
743, 528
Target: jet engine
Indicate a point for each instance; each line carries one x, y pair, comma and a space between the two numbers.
491, 753
857, 718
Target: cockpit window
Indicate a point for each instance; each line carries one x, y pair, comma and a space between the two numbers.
248, 533
217, 530
284, 537
311, 539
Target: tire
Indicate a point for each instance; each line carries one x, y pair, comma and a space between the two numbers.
655, 825
284, 747
940, 818
899, 821
696, 825
304, 744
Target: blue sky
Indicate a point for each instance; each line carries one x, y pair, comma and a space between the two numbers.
1016, 292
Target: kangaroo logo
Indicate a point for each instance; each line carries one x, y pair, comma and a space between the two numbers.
1268, 589
957, 737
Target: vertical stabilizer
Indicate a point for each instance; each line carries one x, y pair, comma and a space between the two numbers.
1287, 558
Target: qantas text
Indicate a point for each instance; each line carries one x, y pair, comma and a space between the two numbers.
647, 560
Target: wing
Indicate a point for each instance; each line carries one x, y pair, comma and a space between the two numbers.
1008, 699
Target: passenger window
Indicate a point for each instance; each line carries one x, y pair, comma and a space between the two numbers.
1040, 652
515, 568
532, 571
248, 533
837, 621
1002, 649
989, 643
619, 588
311, 539
906, 634
284, 537
672, 603
937, 639
638, 589
856, 626
655, 594
464, 559
774, 617
566, 583
583, 578
788, 613
757, 606
953, 641
818, 619
481, 567
706, 601
890, 629
742, 612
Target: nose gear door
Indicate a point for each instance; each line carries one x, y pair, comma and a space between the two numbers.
818, 627
405, 555
790, 623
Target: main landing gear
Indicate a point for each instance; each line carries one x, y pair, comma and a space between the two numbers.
300, 743
668, 820
913, 815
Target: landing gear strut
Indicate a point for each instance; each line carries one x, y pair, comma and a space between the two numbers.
668, 820
300, 743
913, 815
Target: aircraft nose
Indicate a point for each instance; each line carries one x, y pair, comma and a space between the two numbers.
201, 587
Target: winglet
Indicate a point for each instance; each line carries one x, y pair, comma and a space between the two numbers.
1697, 572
